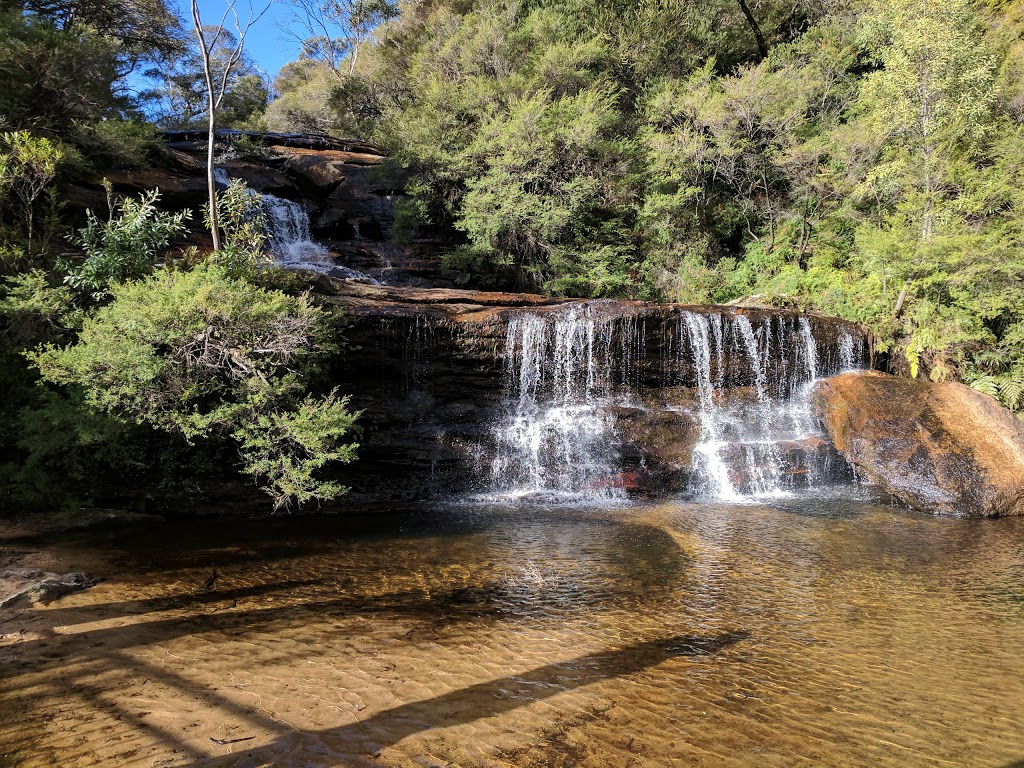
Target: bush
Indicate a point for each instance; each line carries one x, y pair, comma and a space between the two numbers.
116, 143
125, 246
27, 165
204, 355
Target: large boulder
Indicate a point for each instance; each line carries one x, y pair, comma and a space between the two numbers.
942, 448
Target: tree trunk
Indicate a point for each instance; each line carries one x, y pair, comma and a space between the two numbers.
762, 47
211, 182
901, 299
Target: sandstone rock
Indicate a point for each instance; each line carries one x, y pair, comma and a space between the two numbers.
320, 172
261, 177
20, 587
942, 448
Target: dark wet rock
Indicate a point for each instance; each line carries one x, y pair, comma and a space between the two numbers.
657, 444
196, 139
428, 370
23, 588
319, 172
260, 176
942, 448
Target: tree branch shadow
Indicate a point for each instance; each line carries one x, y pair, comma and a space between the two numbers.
483, 700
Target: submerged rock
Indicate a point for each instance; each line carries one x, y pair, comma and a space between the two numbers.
21, 587
942, 448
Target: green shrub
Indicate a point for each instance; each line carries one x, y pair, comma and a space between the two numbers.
125, 246
202, 354
116, 143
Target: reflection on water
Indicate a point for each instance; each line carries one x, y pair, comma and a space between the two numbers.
831, 632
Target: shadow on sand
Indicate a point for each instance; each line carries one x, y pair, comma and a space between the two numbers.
488, 699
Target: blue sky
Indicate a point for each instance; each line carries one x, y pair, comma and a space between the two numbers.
268, 46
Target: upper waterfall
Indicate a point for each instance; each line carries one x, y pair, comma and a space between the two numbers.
290, 239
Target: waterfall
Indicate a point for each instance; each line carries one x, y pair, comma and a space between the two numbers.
769, 442
292, 244
555, 437
569, 370
290, 240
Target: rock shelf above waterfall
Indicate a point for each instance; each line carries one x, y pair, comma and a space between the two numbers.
515, 394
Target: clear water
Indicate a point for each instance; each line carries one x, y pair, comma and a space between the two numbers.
827, 631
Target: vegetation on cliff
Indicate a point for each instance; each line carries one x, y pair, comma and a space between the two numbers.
863, 158
125, 365
858, 157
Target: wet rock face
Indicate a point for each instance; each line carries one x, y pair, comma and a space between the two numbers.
941, 448
430, 371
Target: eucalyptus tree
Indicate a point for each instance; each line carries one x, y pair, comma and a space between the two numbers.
332, 31
179, 98
217, 80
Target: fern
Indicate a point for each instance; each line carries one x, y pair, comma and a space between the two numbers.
1011, 389
987, 385
940, 370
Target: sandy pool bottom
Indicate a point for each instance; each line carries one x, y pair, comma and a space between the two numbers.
670, 635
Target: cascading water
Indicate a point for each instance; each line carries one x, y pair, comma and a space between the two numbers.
765, 441
555, 437
570, 369
294, 247
290, 240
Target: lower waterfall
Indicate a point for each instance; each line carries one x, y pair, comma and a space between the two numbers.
555, 438
571, 370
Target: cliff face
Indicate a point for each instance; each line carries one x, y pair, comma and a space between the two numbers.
501, 393
438, 372
344, 187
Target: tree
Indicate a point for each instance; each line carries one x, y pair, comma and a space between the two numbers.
216, 81
141, 28
335, 29
26, 167
50, 78
180, 99
202, 355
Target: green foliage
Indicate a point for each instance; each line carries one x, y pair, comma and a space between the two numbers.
204, 355
67, 450
243, 227
116, 143
124, 247
27, 165
35, 311
288, 447
51, 76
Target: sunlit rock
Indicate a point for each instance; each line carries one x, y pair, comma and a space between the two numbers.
943, 448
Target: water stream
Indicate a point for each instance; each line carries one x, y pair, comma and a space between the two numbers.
825, 632
291, 241
569, 370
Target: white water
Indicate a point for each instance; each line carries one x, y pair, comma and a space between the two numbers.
569, 369
555, 437
291, 242
770, 442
